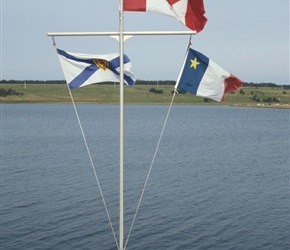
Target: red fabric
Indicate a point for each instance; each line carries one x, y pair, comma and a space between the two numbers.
231, 84
135, 5
171, 2
194, 18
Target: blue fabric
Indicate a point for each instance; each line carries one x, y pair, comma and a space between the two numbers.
191, 77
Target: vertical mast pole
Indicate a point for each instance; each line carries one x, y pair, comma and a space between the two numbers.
121, 44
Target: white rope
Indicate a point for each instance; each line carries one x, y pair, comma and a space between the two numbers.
90, 157
150, 169
93, 167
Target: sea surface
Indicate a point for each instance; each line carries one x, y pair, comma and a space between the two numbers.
220, 179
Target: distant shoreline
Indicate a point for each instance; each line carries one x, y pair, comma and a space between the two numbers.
259, 97
284, 106
193, 104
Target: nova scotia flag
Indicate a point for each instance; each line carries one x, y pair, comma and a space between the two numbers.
84, 69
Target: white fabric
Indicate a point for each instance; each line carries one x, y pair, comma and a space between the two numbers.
212, 83
72, 68
178, 10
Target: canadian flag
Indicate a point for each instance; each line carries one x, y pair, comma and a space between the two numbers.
189, 12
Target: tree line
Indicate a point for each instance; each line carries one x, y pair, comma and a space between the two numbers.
140, 82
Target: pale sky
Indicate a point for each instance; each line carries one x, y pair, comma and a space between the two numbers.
248, 38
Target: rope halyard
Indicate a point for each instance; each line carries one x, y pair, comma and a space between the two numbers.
94, 170
189, 42
175, 90
90, 157
150, 169
53, 42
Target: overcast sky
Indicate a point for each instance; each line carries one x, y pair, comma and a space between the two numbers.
248, 38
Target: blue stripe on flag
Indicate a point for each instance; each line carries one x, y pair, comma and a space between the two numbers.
129, 80
115, 63
191, 76
83, 76
65, 54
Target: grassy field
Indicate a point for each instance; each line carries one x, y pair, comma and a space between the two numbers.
138, 94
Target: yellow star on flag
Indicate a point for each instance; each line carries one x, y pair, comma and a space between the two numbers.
194, 63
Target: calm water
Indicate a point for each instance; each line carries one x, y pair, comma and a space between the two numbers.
220, 179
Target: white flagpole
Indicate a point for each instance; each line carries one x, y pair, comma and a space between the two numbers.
121, 35
121, 43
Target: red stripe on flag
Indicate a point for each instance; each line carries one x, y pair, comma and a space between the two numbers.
232, 83
194, 17
135, 5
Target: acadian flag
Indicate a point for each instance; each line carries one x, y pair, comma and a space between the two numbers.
202, 77
84, 69
189, 12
